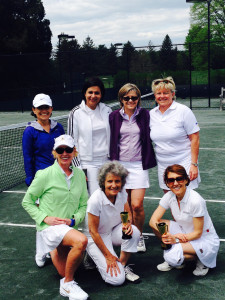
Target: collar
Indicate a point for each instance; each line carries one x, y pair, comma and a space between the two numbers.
172, 106
38, 126
70, 167
125, 116
185, 198
106, 201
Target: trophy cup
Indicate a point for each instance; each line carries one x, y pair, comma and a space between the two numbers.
124, 218
163, 228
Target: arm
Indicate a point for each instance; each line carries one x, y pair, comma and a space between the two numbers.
111, 260
72, 130
80, 214
28, 155
194, 138
157, 218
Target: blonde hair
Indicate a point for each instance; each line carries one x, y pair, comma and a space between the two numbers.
125, 89
164, 83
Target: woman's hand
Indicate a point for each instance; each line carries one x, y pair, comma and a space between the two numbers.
127, 228
112, 265
56, 221
193, 172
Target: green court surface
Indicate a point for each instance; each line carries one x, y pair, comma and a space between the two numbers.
22, 279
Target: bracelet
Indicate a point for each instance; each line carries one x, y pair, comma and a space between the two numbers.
72, 222
194, 164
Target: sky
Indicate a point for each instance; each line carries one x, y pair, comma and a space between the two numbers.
117, 21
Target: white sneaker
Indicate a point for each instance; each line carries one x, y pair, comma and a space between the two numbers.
141, 245
72, 290
164, 267
201, 270
130, 275
88, 262
40, 260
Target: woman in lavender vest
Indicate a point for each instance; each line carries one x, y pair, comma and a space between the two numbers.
130, 144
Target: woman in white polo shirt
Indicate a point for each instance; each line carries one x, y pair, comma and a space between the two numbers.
191, 234
175, 132
104, 226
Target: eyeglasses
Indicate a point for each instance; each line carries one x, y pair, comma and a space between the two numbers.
133, 98
61, 150
158, 81
179, 179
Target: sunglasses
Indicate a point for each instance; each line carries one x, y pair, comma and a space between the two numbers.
133, 98
43, 107
158, 81
61, 150
178, 180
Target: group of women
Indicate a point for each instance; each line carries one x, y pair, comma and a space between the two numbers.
115, 150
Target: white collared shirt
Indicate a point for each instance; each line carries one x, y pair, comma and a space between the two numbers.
66, 176
169, 132
108, 213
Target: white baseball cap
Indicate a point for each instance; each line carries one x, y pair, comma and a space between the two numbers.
63, 140
42, 99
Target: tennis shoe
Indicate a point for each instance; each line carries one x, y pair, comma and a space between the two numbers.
88, 262
164, 267
72, 290
40, 260
129, 274
201, 270
141, 245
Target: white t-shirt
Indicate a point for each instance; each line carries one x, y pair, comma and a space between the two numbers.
99, 137
108, 213
169, 132
191, 206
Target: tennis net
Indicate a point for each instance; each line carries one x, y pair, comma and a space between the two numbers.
11, 155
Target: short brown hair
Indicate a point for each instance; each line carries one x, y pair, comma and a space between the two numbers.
125, 89
178, 169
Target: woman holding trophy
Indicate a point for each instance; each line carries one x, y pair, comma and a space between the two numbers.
191, 234
106, 218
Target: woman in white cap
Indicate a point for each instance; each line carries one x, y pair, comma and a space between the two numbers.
38, 137
62, 192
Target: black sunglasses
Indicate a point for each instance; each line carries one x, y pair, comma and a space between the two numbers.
158, 81
178, 179
43, 107
61, 150
133, 98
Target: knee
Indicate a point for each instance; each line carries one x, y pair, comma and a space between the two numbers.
81, 243
137, 207
174, 257
115, 280
136, 233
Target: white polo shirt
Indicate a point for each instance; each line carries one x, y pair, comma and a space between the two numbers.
169, 132
191, 206
108, 213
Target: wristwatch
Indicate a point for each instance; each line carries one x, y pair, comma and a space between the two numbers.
177, 240
194, 164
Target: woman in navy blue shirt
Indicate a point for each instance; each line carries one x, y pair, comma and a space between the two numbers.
38, 137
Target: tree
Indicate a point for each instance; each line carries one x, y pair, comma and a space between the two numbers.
199, 16
167, 55
24, 31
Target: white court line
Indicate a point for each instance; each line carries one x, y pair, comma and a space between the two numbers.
80, 229
18, 192
149, 198
217, 149
209, 200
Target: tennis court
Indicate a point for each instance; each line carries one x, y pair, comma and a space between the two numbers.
22, 279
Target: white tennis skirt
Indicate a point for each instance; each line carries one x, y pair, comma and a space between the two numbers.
50, 238
137, 177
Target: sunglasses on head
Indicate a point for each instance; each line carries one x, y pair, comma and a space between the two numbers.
133, 98
178, 179
61, 150
158, 81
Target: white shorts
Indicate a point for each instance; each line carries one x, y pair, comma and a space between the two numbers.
137, 177
92, 173
206, 247
50, 238
186, 164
